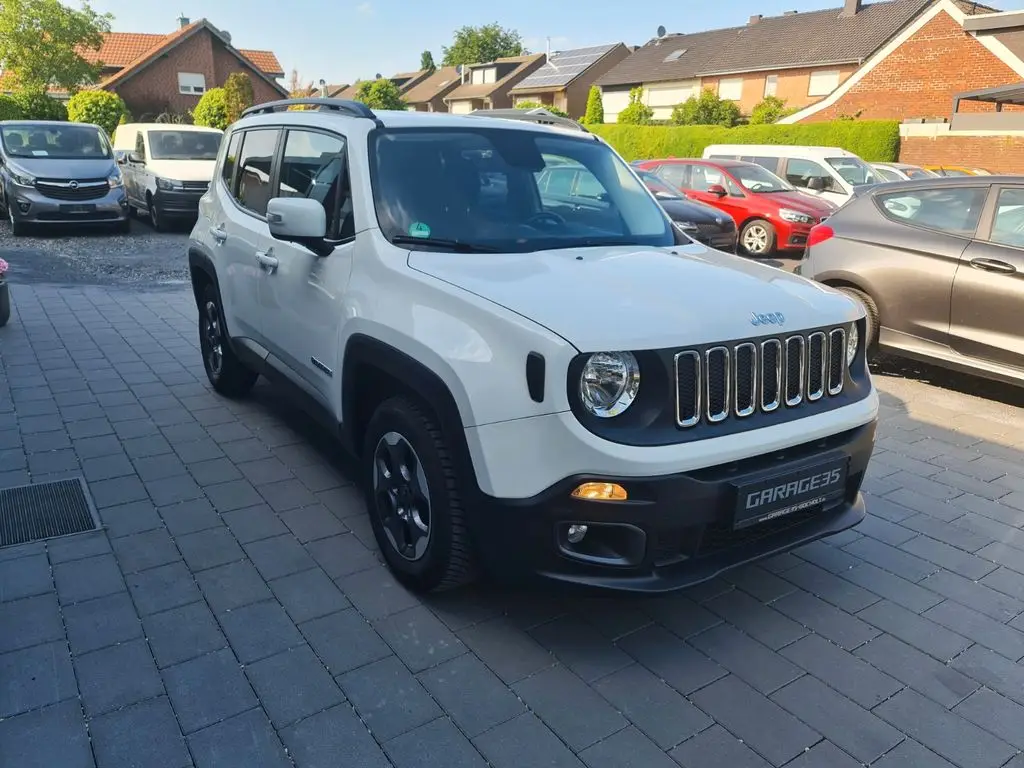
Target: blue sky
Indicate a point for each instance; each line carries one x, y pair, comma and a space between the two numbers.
341, 40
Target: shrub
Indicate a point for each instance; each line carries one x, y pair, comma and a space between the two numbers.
380, 94
101, 108
238, 95
636, 112
9, 108
537, 105
595, 107
212, 110
706, 109
873, 140
38, 106
769, 110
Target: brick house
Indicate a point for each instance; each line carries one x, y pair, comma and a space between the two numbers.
486, 85
405, 81
565, 79
428, 94
798, 57
169, 73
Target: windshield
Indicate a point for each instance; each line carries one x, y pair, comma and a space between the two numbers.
184, 145
759, 179
64, 141
854, 170
918, 173
508, 190
658, 187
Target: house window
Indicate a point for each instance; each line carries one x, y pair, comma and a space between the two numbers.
771, 85
191, 82
484, 76
823, 83
674, 56
731, 89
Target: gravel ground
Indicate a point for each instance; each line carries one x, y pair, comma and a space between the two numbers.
80, 256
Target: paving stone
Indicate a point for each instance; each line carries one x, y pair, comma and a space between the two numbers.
293, 685
884, 531
65, 461
762, 724
389, 700
430, 744
77, 547
895, 561
208, 689
209, 548
832, 589
116, 676
55, 736
118, 490
471, 694
841, 628
312, 523
259, 630
183, 633
626, 749
508, 651
678, 664
279, 556
143, 551
35, 677
975, 595
139, 735
952, 737
761, 622
910, 754
189, 517
172, 490
244, 740
948, 557
921, 672
235, 494
155, 468
264, 471
95, 447
979, 628
418, 637
752, 662
216, 471
682, 616
95, 624
308, 595
716, 746
577, 646
84, 579
25, 577
995, 714
524, 741
840, 720
954, 534
344, 641
160, 589
988, 668
841, 670
341, 556
900, 591
333, 738
919, 632
231, 586
254, 523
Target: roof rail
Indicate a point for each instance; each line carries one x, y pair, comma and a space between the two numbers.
349, 107
535, 115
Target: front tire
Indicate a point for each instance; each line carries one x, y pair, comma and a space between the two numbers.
871, 319
228, 375
156, 216
412, 493
757, 238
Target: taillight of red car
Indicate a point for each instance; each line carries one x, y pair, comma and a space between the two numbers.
819, 234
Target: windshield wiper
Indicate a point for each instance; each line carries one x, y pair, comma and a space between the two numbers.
458, 246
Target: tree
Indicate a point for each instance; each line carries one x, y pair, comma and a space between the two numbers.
36, 105
706, 109
475, 45
769, 110
9, 108
41, 43
427, 61
101, 108
595, 107
238, 95
636, 112
380, 94
212, 110
537, 105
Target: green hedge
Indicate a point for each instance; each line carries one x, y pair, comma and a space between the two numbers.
876, 141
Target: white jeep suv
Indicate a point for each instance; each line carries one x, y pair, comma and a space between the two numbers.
537, 378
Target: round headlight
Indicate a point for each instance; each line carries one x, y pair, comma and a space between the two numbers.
609, 383
852, 342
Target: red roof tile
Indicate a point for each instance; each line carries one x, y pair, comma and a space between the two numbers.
123, 49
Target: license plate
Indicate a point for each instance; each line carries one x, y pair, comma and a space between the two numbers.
77, 208
789, 492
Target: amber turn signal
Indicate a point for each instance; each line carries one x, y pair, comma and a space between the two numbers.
600, 492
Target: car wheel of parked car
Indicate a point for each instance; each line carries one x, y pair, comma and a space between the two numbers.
758, 238
124, 227
871, 313
156, 217
226, 372
17, 227
413, 496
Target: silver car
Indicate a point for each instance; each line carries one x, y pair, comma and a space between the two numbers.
59, 173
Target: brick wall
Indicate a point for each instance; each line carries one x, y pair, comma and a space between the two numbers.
792, 86
920, 77
999, 154
155, 88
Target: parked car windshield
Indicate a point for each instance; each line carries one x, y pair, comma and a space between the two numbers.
759, 179
508, 190
854, 170
63, 141
919, 173
184, 145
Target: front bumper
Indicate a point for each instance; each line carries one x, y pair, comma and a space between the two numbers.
675, 530
30, 206
182, 203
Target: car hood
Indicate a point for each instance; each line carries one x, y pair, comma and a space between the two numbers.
59, 168
803, 202
182, 170
687, 210
636, 298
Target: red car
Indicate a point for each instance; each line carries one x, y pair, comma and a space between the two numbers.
770, 213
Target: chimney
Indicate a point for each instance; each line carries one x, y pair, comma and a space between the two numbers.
183, 21
754, 19
851, 8
547, 50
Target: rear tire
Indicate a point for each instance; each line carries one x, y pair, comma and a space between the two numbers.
871, 315
228, 375
413, 498
757, 238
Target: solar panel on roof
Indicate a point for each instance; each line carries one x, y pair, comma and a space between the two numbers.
562, 67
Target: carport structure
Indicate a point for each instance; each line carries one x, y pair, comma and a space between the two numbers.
1000, 95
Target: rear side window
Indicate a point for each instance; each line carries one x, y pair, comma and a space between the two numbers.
1008, 226
227, 170
255, 162
770, 163
954, 210
799, 173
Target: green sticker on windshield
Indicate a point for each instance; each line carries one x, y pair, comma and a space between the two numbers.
419, 229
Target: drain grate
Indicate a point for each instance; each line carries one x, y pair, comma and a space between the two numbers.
43, 511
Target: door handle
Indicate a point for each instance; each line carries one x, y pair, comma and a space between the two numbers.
266, 261
218, 234
993, 265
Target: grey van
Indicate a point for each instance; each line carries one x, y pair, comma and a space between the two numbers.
59, 173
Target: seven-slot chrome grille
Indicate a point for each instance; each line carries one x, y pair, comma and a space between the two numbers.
738, 380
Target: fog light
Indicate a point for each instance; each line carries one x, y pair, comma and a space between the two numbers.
576, 533
600, 492
24, 206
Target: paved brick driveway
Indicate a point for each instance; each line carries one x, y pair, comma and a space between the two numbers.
232, 612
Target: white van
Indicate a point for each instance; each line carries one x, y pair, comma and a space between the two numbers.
166, 168
830, 172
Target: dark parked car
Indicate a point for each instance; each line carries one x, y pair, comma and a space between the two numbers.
703, 223
938, 264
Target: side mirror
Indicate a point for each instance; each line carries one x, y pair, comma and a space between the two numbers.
717, 190
298, 220
816, 184
136, 158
